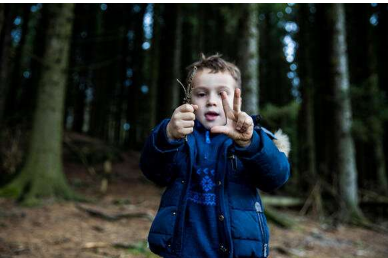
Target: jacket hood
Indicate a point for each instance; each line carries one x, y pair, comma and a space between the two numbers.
282, 142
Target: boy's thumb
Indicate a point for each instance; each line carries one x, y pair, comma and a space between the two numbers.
219, 129
194, 106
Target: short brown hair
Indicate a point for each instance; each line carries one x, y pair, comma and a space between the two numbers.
216, 64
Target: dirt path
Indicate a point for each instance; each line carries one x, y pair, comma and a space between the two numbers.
63, 230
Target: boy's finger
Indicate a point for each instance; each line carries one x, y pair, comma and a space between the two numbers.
187, 124
237, 100
220, 129
240, 120
194, 106
185, 131
186, 116
225, 103
247, 123
187, 108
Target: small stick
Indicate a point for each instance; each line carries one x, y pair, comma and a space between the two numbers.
188, 89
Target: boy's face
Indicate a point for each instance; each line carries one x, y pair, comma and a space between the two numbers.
207, 95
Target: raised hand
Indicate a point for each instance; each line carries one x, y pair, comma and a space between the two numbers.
239, 125
182, 122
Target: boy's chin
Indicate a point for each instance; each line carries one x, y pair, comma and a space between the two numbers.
210, 124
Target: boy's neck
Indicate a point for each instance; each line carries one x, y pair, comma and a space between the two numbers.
199, 126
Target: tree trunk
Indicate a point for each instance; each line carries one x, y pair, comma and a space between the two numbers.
381, 167
307, 166
80, 55
137, 60
16, 79
362, 67
99, 120
249, 57
382, 58
170, 60
276, 86
343, 150
2, 18
5, 55
175, 89
42, 174
323, 108
155, 61
28, 99
18, 105
382, 68
357, 23
122, 45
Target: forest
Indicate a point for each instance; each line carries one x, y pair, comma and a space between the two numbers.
83, 85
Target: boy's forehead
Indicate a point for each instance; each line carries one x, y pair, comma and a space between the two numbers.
207, 79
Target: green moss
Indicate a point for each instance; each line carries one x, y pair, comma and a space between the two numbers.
140, 248
15, 188
31, 201
10, 191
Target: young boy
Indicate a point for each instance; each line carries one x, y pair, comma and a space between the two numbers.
212, 157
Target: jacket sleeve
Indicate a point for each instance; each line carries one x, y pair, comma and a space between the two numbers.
158, 155
267, 166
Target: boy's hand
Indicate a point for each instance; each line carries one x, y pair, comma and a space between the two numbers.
182, 122
239, 125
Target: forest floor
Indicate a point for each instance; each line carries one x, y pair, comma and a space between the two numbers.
66, 229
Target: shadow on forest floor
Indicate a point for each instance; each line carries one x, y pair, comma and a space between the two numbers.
71, 230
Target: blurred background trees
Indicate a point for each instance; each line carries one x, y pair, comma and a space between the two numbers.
317, 71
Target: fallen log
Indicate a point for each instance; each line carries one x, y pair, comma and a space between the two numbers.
93, 245
111, 216
279, 219
282, 201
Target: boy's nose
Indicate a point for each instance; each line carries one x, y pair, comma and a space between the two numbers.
212, 100
211, 103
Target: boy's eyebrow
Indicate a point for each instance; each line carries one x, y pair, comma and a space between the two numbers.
206, 88
201, 88
224, 88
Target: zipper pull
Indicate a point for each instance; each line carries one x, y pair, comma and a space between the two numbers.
208, 137
234, 161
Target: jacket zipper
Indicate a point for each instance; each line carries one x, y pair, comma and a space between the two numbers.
174, 241
265, 245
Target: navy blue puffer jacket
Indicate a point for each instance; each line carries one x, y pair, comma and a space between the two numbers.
243, 225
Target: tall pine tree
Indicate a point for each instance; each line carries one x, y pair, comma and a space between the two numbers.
42, 175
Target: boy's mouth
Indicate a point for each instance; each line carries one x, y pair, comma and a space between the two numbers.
211, 115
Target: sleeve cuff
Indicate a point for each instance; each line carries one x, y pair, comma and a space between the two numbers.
163, 142
251, 149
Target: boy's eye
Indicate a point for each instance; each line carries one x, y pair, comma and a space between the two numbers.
201, 94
